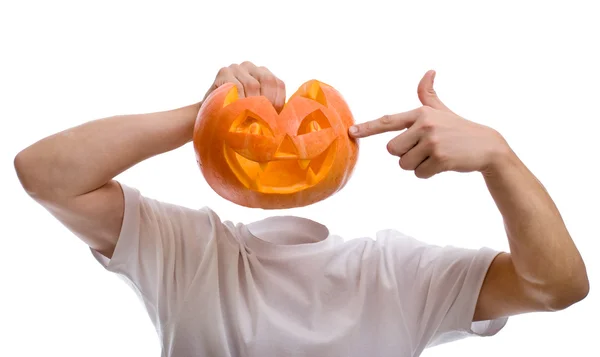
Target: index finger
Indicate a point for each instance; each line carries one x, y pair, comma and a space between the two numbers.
384, 124
270, 86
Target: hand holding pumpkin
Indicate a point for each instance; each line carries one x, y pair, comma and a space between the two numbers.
251, 81
436, 139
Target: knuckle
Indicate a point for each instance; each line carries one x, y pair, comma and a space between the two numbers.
433, 141
366, 128
265, 78
428, 122
252, 83
438, 154
386, 119
247, 64
428, 125
223, 71
422, 110
426, 110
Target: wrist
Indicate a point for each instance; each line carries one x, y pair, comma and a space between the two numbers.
500, 159
185, 118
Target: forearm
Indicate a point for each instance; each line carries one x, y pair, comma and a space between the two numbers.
84, 158
542, 251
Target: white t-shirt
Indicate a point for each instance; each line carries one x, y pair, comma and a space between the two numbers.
284, 286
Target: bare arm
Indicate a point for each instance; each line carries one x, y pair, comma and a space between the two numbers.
84, 158
70, 173
544, 270
547, 272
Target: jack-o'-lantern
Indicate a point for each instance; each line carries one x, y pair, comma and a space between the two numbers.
255, 157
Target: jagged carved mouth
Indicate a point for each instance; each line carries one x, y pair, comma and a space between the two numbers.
284, 173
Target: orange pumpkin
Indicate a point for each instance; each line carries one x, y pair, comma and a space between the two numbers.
255, 157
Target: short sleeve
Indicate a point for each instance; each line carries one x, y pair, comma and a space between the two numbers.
159, 249
439, 288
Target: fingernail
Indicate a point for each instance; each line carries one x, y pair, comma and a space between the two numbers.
353, 129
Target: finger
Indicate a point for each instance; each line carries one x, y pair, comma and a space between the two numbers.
280, 97
270, 86
415, 156
427, 94
427, 168
249, 66
251, 84
400, 145
386, 123
226, 75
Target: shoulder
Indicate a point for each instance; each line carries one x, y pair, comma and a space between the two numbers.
396, 251
385, 249
150, 214
391, 242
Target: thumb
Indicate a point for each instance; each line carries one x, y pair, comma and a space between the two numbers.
427, 94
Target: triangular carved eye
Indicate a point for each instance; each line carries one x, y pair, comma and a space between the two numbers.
313, 122
251, 123
315, 92
231, 97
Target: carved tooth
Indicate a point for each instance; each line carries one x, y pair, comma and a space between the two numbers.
311, 178
303, 163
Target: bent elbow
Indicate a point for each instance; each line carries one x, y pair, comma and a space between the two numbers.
25, 168
569, 294
22, 168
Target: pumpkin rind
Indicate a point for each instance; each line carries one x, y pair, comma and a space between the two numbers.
255, 157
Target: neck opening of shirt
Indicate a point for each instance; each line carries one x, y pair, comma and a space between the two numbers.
286, 234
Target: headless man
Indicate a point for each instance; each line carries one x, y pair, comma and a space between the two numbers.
285, 286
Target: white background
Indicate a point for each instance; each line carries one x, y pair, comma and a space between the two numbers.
528, 69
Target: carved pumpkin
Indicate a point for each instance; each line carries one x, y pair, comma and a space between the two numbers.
255, 157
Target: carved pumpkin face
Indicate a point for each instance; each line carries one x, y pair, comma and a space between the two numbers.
256, 157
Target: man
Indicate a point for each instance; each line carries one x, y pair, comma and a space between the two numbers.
284, 286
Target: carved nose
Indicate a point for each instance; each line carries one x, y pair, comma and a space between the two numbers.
287, 149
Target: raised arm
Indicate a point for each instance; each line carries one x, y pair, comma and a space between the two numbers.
547, 272
71, 173
544, 270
